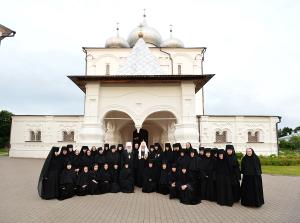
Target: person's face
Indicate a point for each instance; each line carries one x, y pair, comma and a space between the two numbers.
143, 146
96, 167
176, 148
101, 151
105, 166
70, 149
174, 169
93, 148
207, 154
192, 154
156, 147
120, 148
84, 150
249, 152
150, 165
183, 170
77, 152
164, 166
229, 151
151, 149
126, 166
182, 154
221, 156
69, 166
65, 152
116, 166
136, 146
201, 152
187, 145
167, 148
85, 169
88, 152
56, 153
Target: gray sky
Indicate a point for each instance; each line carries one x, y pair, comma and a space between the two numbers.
252, 47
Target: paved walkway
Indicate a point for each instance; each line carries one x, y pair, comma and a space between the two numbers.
19, 202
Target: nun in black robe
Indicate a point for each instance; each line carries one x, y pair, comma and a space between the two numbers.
100, 158
186, 188
87, 160
207, 177
76, 162
113, 156
252, 187
201, 152
67, 182
126, 179
105, 179
120, 148
83, 150
64, 156
223, 180
48, 185
94, 179
193, 168
172, 180
106, 148
236, 173
176, 151
83, 181
168, 154
150, 178
94, 151
163, 183
183, 159
115, 185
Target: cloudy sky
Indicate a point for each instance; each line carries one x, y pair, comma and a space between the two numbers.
253, 47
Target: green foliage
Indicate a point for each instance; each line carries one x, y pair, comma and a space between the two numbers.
5, 126
293, 143
285, 131
282, 170
239, 155
297, 129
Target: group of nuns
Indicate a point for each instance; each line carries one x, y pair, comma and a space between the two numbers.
181, 173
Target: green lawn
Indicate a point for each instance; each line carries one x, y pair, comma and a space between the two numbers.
3, 152
282, 170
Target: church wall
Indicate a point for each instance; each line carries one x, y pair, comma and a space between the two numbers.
237, 129
51, 129
189, 59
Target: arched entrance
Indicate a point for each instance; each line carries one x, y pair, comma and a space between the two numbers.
119, 127
160, 126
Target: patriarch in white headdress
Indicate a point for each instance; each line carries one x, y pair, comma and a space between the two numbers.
143, 150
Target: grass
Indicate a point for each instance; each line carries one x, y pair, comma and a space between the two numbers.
3, 152
282, 170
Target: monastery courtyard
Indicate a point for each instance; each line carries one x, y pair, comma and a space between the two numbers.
20, 202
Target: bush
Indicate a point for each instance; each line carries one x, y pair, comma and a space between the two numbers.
280, 160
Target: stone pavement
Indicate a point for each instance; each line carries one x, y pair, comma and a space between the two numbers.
19, 202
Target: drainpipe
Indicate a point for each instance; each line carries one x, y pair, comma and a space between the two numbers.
277, 134
84, 50
170, 57
199, 130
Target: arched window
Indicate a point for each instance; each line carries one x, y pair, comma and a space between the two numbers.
221, 137
179, 68
38, 136
107, 69
35, 136
32, 136
253, 137
68, 136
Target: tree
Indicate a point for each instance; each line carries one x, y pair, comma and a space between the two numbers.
297, 129
5, 126
285, 131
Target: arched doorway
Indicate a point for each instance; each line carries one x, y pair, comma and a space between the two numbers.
160, 126
138, 137
118, 127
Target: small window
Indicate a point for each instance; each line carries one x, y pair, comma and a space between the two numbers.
253, 137
107, 69
221, 137
38, 136
35, 136
179, 68
68, 137
32, 136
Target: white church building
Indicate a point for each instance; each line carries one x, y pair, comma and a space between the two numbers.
142, 88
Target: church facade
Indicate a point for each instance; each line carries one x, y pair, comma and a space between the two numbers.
142, 88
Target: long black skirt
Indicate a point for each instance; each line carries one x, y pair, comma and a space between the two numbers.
252, 191
104, 187
149, 187
93, 188
208, 189
163, 189
51, 186
224, 190
66, 191
127, 186
173, 192
82, 191
189, 196
115, 188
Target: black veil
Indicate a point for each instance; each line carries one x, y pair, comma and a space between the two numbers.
45, 169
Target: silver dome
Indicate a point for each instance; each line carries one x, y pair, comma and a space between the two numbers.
149, 34
116, 42
172, 43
